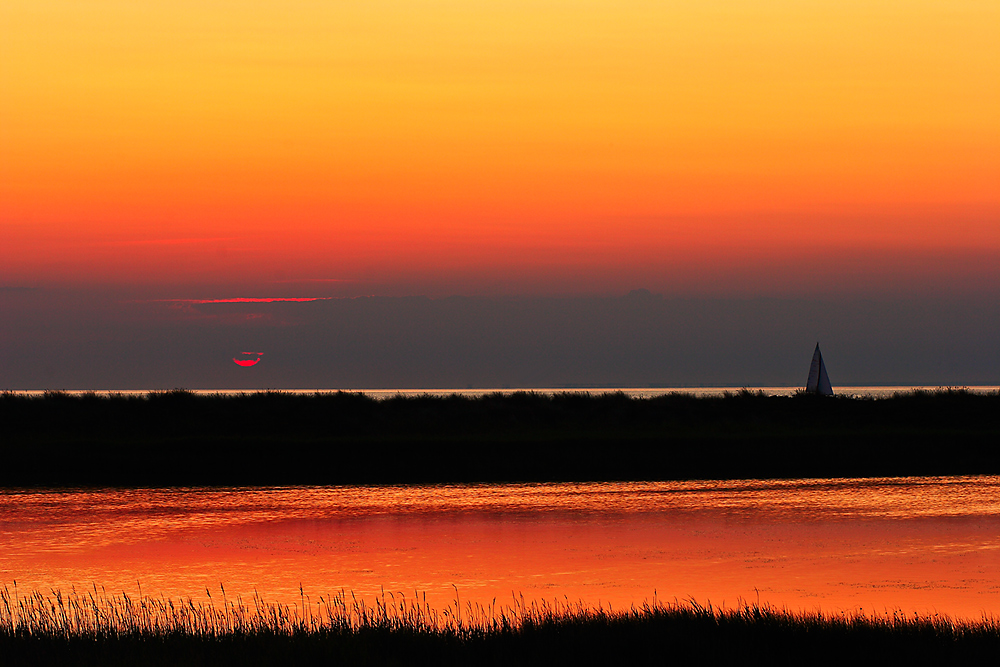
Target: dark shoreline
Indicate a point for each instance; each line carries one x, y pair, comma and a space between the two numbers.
183, 439
84, 630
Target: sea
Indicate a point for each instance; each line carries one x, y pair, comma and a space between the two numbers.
635, 392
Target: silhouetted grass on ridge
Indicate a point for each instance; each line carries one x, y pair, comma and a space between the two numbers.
182, 438
94, 628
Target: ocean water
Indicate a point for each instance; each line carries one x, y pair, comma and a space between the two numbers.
636, 392
924, 544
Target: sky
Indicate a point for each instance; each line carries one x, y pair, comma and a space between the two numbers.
814, 152
64, 341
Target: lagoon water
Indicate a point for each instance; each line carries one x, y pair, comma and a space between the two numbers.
928, 545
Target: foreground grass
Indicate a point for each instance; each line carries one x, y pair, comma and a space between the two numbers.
96, 629
267, 438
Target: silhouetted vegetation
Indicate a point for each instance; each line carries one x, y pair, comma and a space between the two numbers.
179, 438
93, 628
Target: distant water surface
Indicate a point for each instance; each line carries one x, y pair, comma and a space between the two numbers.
928, 544
636, 392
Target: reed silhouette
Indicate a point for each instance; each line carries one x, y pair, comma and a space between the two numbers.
179, 438
94, 628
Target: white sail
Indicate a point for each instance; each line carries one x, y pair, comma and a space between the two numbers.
819, 381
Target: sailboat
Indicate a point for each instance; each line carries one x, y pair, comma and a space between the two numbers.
819, 381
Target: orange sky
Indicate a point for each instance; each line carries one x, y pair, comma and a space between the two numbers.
462, 144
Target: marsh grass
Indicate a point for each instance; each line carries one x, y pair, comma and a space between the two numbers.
94, 627
182, 439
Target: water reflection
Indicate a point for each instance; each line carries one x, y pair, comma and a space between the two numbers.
921, 544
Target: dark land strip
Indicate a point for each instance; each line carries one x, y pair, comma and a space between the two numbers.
179, 438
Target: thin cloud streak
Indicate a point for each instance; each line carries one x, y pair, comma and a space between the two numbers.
245, 299
177, 241
315, 280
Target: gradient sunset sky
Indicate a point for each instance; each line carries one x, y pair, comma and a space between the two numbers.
780, 172
308, 148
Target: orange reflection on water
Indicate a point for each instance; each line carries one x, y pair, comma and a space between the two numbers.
918, 544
